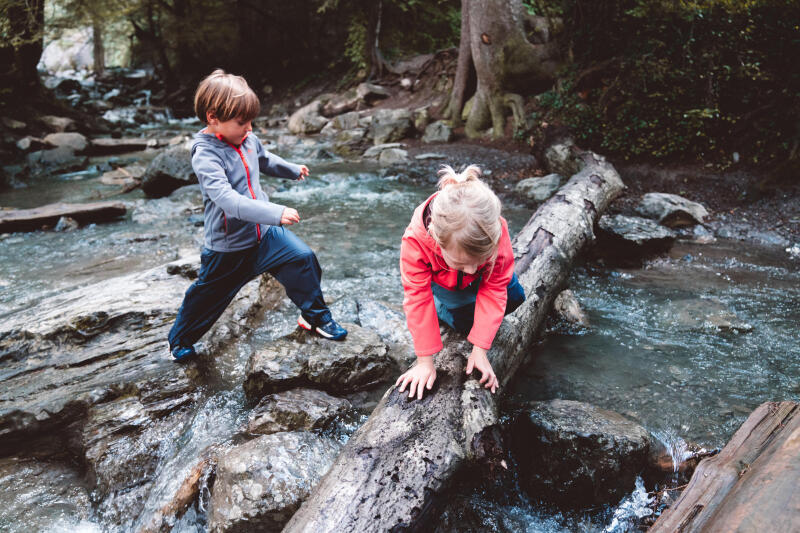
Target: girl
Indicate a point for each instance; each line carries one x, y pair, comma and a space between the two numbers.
456, 263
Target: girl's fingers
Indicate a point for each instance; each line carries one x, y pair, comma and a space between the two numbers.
412, 388
470, 366
420, 388
484, 377
431, 379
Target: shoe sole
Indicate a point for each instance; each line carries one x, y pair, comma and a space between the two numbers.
303, 323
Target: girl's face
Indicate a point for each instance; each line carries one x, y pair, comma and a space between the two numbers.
458, 259
233, 131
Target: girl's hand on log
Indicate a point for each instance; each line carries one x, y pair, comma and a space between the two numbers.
477, 359
419, 376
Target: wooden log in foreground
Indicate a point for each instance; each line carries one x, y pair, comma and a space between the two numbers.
48, 215
752, 485
390, 471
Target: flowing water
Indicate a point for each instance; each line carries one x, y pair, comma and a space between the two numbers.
687, 346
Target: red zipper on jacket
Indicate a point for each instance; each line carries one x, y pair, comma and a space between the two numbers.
247, 170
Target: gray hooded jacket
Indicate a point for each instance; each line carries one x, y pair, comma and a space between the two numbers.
236, 209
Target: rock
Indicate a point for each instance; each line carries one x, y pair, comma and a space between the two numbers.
294, 410
76, 142
61, 159
577, 455
358, 362
625, 240
66, 224
106, 146
389, 323
568, 308
438, 132
58, 124
671, 210
393, 156
429, 155
389, 125
347, 121
704, 314
349, 142
375, 151
169, 170
261, 483
29, 143
369, 93
539, 189
307, 119
341, 103
560, 158
421, 118
345, 310
124, 176
49, 215
13, 124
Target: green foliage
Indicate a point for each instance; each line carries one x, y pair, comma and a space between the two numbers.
356, 43
682, 79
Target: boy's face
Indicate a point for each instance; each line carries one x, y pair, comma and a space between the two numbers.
233, 131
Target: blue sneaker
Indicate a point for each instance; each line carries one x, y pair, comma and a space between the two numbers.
184, 353
330, 330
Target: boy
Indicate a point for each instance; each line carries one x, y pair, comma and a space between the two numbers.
244, 233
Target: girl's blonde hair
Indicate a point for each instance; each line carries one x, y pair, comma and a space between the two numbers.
227, 96
467, 213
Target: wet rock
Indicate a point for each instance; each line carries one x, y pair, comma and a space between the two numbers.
260, 484
438, 132
539, 189
349, 142
393, 156
13, 124
389, 323
389, 125
568, 308
294, 410
671, 210
29, 143
307, 119
76, 142
346, 121
358, 362
576, 455
66, 224
704, 314
626, 240
106, 146
375, 151
428, 156
123, 176
61, 159
561, 158
49, 215
58, 124
345, 310
168, 171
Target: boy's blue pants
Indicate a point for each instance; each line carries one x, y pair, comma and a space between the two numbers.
222, 274
456, 308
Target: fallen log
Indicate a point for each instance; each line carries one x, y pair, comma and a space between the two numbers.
388, 475
48, 215
751, 485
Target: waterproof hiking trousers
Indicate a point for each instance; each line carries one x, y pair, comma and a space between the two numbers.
456, 308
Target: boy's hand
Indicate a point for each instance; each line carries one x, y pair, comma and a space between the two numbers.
303, 173
477, 359
420, 376
289, 217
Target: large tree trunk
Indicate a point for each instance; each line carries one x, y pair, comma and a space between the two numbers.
751, 485
391, 470
99, 50
462, 69
504, 60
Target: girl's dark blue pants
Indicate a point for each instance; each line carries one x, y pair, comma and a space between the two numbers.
222, 274
456, 308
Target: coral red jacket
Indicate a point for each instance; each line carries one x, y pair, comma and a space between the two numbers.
421, 262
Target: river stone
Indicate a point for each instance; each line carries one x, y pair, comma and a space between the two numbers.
369, 92
393, 156
626, 240
576, 455
58, 124
539, 189
568, 308
422, 118
30, 143
438, 132
106, 146
127, 176
307, 119
74, 141
260, 484
301, 358
561, 158
671, 210
703, 313
346, 121
375, 151
61, 159
169, 170
389, 125
66, 224
294, 410
389, 323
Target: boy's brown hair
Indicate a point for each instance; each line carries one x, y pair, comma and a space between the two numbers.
226, 96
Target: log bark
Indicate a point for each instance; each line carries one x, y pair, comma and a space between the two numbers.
48, 215
751, 485
391, 470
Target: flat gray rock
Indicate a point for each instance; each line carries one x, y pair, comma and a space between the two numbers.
294, 410
671, 210
626, 240
539, 189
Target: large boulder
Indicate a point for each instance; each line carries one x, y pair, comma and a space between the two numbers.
358, 362
260, 484
307, 119
389, 125
169, 170
574, 454
61, 159
437, 132
626, 240
346, 121
539, 189
294, 410
671, 210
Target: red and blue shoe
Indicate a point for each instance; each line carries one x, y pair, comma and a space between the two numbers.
330, 330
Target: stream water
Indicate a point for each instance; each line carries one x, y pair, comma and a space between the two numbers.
687, 346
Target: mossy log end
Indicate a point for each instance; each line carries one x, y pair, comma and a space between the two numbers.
389, 473
751, 485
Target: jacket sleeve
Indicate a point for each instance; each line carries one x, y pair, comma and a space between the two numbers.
416, 274
490, 303
211, 174
273, 165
